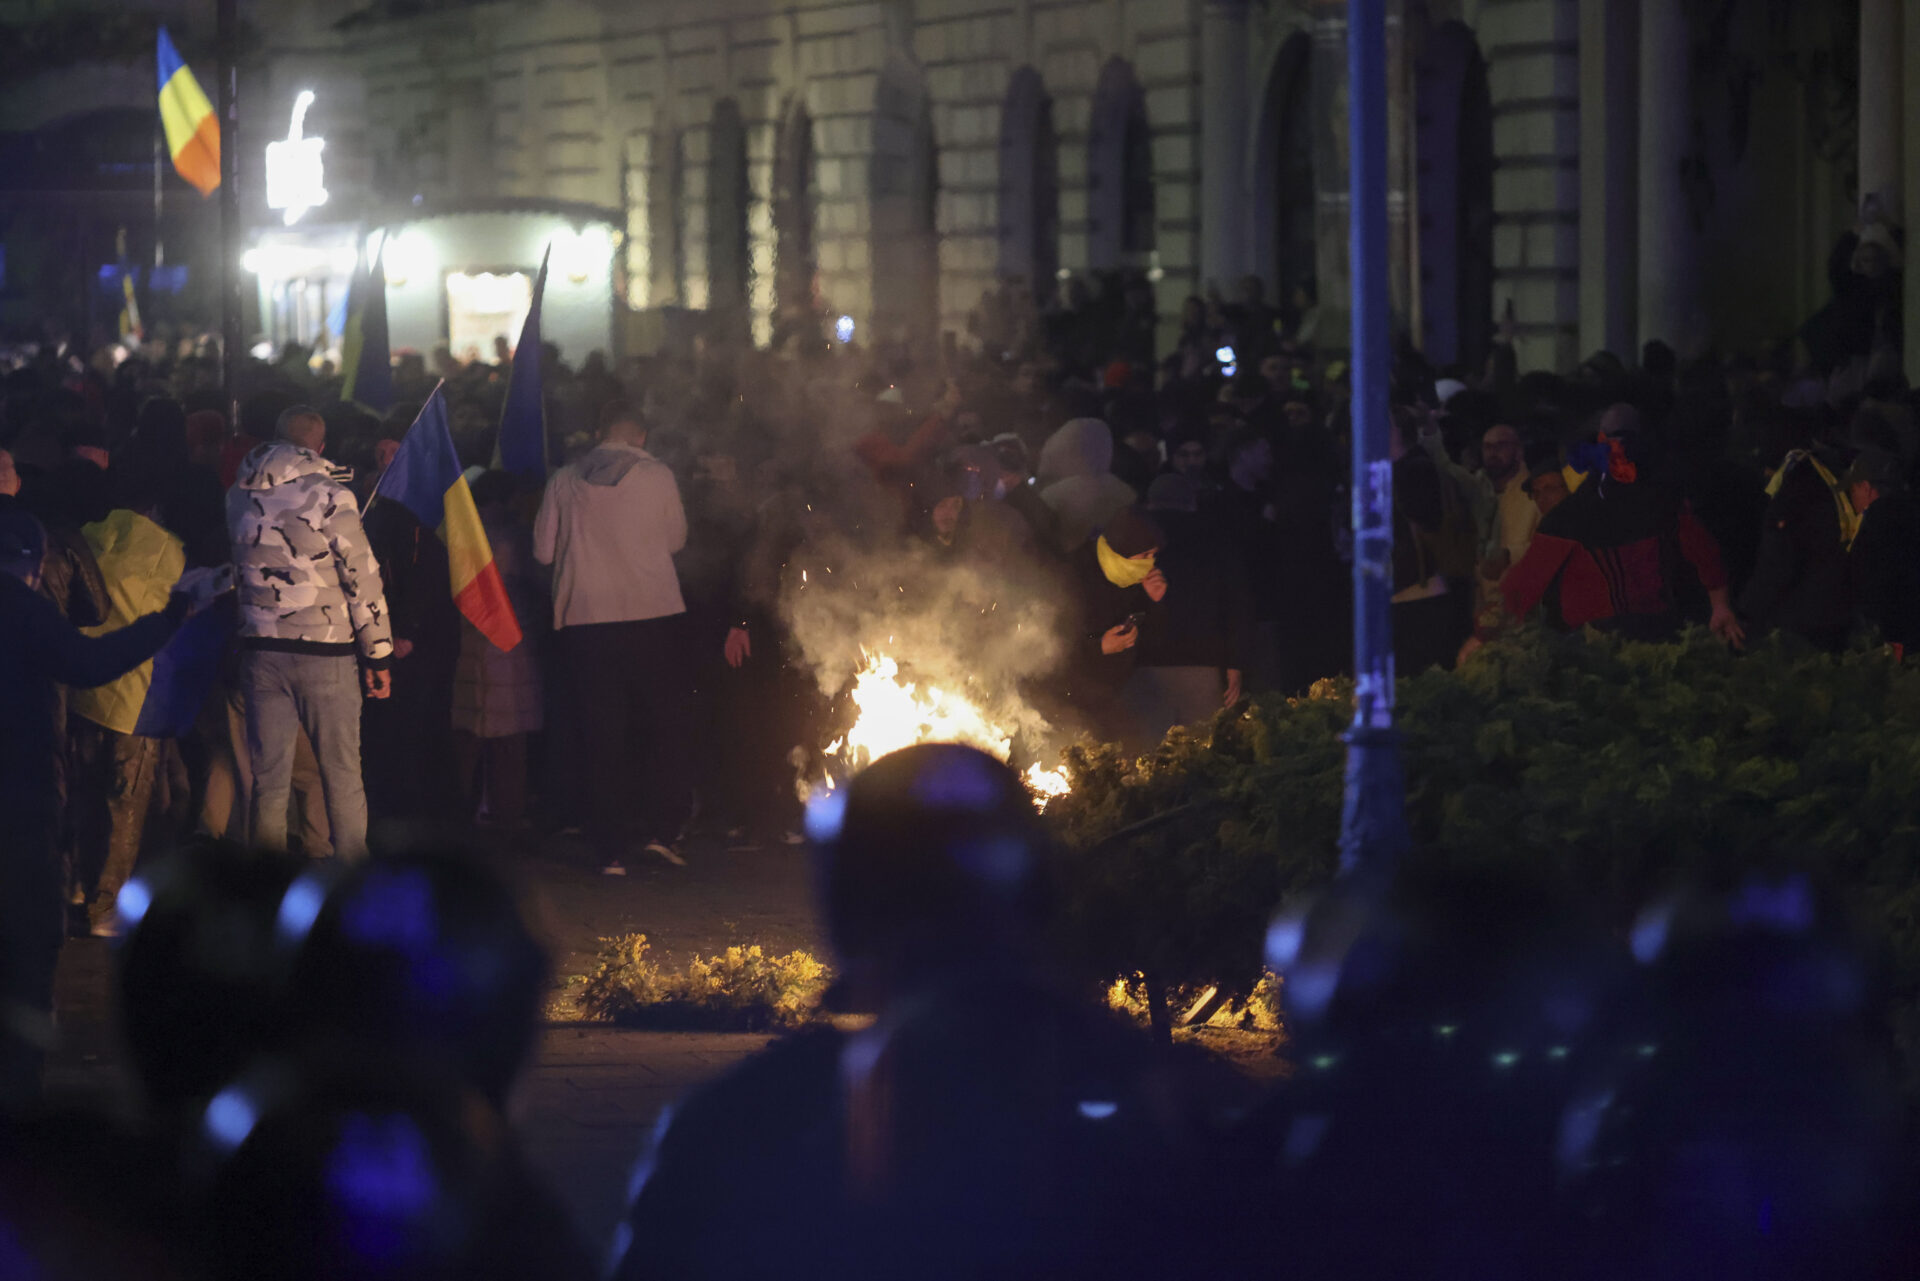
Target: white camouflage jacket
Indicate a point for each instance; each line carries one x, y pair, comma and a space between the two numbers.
307, 578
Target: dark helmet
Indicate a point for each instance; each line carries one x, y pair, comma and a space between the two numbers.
932, 854
427, 954
1438, 1022
364, 1166
1745, 1115
200, 990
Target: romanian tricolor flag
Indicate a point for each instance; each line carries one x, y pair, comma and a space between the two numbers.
364, 350
193, 131
425, 478
521, 446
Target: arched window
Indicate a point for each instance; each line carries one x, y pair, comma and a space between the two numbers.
728, 198
1454, 175
666, 218
636, 194
794, 264
1120, 207
1283, 191
1029, 186
904, 189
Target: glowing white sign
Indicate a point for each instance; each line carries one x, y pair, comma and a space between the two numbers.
296, 176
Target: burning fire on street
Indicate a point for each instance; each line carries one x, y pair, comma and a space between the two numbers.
894, 713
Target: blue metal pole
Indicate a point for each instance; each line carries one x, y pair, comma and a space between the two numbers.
1373, 829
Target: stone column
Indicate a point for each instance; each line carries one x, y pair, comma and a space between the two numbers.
1333, 276
1609, 176
1880, 104
1223, 144
1669, 256
1910, 138
1401, 288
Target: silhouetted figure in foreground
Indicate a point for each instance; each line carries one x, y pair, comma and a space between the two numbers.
1491, 1083
984, 1125
40, 650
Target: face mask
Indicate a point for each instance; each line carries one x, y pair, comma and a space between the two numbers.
1122, 571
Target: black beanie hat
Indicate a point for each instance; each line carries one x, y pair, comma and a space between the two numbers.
1132, 531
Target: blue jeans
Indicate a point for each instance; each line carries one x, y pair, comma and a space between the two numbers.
320, 693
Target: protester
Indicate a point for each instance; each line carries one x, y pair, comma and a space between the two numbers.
1192, 656
1114, 589
115, 762
313, 625
1434, 538
497, 702
609, 525
1800, 581
1884, 561
39, 650
1077, 483
1515, 515
1609, 549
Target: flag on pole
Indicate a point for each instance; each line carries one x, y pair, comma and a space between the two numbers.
425, 478
193, 131
521, 446
130, 326
364, 353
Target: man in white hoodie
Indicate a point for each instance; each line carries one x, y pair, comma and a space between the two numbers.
609, 524
313, 626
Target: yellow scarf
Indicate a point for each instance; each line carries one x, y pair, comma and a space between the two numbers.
1122, 571
1843, 506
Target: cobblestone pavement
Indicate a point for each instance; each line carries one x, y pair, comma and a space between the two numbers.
584, 1108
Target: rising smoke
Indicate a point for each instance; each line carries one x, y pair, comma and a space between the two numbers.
982, 632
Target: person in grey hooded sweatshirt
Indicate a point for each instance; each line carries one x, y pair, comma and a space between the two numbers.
1077, 483
609, 525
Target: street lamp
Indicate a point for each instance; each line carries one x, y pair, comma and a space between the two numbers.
296, 175
1373, 824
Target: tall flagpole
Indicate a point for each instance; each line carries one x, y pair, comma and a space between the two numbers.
228, 29
159, 154
1373, 825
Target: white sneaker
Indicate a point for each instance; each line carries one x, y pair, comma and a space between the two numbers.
667, 852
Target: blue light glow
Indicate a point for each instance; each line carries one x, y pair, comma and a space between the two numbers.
1786, 908
395, 909
1579, 1127
230, 1118
843, 329
1650, 933
963, 781
826, 812
1284, 939
299, 908
1098, 1109
132, 903
1312, 987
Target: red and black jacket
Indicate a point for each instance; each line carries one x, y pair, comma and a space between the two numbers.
1617, 552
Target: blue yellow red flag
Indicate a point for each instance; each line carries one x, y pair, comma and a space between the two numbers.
364, 352
141, 564
193, 131
521, 447
425, 478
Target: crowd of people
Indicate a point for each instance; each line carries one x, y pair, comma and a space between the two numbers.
1184, 512
1186, 515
